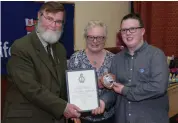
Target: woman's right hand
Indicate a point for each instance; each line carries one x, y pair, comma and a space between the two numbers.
100, 109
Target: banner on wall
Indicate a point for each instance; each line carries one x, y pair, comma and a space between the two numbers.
19, 19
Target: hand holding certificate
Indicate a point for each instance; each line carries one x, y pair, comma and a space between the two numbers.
72, 111
82, 89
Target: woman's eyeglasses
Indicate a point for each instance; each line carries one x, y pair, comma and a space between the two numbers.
98, 38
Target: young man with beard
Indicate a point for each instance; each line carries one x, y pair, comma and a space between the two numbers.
36, 70
142, 77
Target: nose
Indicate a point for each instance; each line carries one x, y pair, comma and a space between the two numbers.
53, 24
128, 32
94, 40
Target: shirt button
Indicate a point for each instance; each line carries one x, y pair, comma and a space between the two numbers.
129, 114
131, 69
129, 102
132, 57
129, 80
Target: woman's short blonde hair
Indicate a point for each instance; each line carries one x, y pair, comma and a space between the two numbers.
95, 23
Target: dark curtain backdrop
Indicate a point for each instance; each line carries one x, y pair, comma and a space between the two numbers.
161, 24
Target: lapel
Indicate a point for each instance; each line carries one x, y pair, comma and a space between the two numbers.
42, 54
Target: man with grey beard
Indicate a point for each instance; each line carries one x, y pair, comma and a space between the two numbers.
36, 73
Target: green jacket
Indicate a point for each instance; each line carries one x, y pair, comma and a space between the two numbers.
36, 93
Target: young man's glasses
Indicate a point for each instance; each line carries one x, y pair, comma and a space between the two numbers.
98, 38
50, 20
131, 30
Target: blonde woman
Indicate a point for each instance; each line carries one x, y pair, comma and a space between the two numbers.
95, 56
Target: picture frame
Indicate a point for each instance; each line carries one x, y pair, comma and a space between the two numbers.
82, 89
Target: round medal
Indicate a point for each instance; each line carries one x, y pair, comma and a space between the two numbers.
107, 80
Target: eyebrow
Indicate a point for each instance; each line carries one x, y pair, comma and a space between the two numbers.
52, 17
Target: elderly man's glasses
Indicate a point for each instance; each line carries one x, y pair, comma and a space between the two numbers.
50, 20
131, 30
98, 38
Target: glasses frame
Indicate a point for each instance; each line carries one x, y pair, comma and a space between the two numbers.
131, 30
57, 22
96, 37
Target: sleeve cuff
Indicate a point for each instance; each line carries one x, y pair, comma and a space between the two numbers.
125, 90
59, 110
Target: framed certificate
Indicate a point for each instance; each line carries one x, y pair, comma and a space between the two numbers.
82, 89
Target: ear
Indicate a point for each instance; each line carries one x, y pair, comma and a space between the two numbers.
39, 15
143, 31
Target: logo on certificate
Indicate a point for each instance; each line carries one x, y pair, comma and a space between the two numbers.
81, 78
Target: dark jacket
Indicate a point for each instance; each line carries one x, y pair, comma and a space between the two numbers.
37, 89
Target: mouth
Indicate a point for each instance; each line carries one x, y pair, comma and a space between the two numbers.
95, 45
52, 30
129, 38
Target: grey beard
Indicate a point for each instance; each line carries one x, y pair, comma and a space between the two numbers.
49, 36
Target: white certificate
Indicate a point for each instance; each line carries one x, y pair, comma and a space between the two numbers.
82, 89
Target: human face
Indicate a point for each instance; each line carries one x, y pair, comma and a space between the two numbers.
95, 39
50, 26
132, 33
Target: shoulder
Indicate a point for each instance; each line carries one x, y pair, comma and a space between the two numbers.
110, 53
154, 51
22, 44
120, 54
75, 59
109, 56
78, 54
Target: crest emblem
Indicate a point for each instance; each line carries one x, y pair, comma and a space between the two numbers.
81, 78
30, 25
